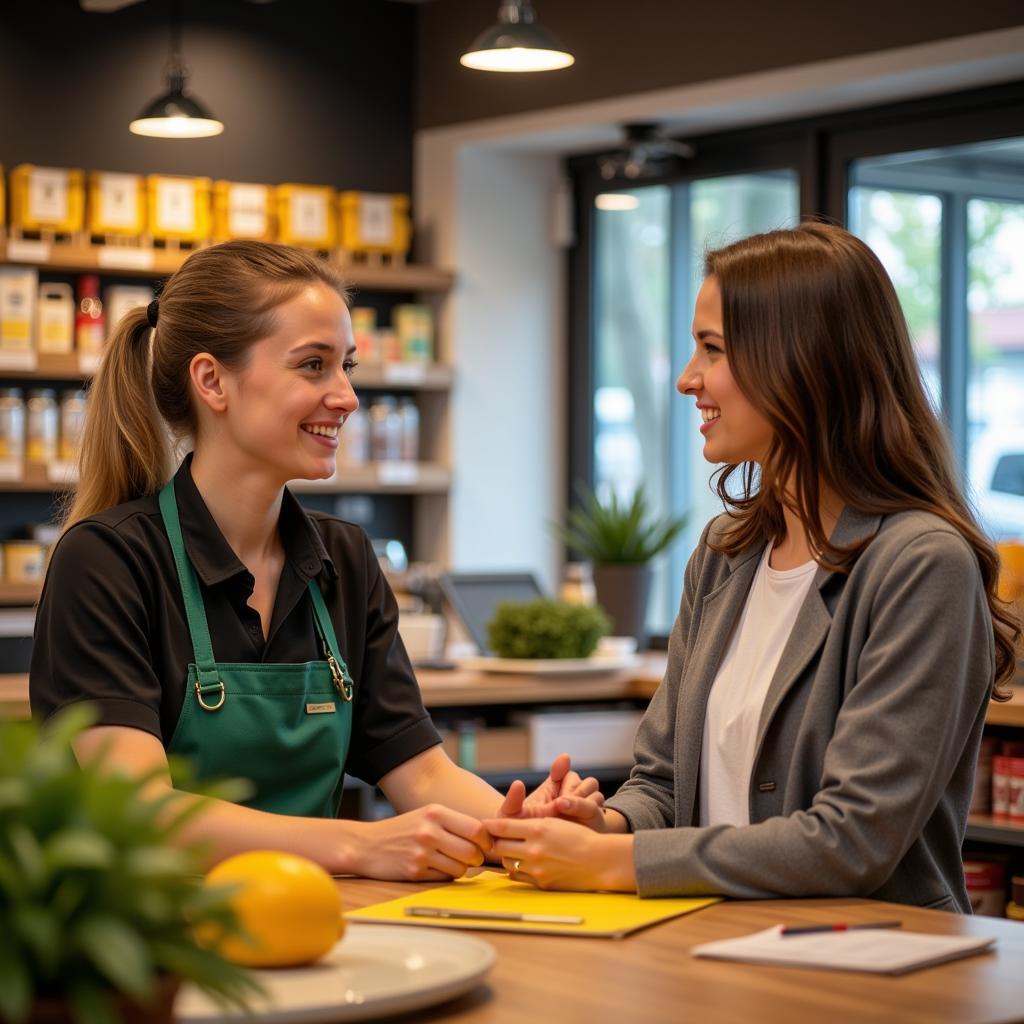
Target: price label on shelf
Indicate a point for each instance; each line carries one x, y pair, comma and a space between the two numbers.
10, 469
27, 250
18, 360
89, 362
126, 257
405, 373
58, 472
397, 473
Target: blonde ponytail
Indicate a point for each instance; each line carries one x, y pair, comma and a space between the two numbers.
125, 446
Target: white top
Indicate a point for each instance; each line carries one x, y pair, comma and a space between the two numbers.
738, 692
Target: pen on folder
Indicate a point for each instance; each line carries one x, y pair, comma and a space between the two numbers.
839, 926
491, 915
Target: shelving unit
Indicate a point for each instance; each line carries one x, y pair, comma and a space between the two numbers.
425, 482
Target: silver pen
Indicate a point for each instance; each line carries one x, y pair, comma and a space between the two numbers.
491, 915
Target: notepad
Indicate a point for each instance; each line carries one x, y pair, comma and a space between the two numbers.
879, 951
608, 915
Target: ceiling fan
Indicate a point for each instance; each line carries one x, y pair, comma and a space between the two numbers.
645, 152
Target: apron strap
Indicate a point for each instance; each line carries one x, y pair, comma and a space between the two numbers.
209, 684
332, 652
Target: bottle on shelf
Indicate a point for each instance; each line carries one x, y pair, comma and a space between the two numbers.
72, 420
385, 430
41, 425
90, 320
410, 430
12, 425
355, 439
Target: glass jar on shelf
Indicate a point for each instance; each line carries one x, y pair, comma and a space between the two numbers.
72, 422
385, 430
12, 425
41, 425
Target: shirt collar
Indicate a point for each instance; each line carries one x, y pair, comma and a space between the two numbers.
212, 556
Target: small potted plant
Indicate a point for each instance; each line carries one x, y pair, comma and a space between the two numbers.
97, 909
545, 629
620, 538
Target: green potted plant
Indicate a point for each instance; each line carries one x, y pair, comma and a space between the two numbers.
620, 538
97, 909
545, 629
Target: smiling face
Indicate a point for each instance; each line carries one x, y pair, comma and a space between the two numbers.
284, 409
734, 431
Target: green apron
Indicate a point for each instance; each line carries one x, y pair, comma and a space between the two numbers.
285, 727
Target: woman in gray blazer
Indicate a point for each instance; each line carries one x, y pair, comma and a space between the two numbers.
839, 635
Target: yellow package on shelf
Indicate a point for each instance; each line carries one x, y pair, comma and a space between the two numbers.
19, 287
47, 199
242, 210
491, 901
305, 215
179, 208
117, 204
374, 222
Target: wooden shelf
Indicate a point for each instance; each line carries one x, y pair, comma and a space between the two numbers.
381, 478
982, 828
19, 593
1010, 712
146, 261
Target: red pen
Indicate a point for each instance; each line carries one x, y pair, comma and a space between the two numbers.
839, 926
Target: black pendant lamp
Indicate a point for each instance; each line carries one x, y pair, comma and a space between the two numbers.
175, 115
516, 43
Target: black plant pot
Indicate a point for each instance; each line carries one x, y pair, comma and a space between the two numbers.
622, 591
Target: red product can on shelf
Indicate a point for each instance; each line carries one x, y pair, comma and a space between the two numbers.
986, 886
1016, 790
1001, 788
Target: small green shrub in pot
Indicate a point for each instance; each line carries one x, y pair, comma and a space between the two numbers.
97, 909
545, 629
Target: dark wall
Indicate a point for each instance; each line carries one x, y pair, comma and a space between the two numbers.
309, 91
628, 47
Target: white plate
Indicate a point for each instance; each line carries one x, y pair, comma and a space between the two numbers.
372, 972
552, 666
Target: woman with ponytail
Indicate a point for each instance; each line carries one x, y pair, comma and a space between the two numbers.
839, 636
204, 612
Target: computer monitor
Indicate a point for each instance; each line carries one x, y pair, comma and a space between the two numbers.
475, 597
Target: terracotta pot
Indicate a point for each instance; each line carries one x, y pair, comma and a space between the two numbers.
58, 1011
622, 591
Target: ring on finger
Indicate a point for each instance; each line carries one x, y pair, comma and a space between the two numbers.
515, 866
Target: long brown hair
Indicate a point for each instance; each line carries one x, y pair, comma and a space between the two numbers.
220, 301
819, 345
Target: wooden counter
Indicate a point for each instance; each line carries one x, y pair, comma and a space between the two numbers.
650, 976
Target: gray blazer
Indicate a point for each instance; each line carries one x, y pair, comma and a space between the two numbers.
868, 739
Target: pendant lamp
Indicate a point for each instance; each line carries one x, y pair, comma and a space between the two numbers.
175, 115
516, 43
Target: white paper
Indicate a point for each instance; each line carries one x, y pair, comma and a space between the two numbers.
119, 200
405, 373
376, 222
28, 250
392, 473
175, 206
48, 195
878, 950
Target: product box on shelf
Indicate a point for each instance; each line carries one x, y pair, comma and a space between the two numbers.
47, 199
372, 222
414, 326
305, 215
243, 210
178, 208
55, 319
18, 289
117, 205
364, 334
118, 299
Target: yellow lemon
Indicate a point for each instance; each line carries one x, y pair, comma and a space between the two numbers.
289, 907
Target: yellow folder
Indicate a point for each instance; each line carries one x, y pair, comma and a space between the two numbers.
610, 915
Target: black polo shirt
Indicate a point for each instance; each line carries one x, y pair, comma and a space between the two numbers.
111, 626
